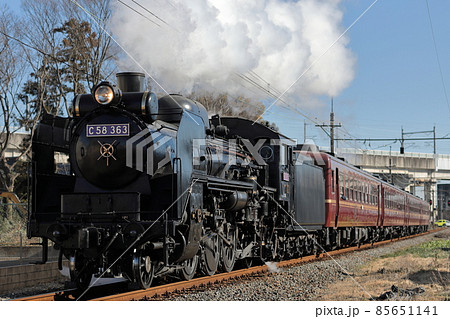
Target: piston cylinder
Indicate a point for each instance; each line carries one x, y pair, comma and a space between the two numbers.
235, 201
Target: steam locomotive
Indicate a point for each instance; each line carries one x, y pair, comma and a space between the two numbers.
154, 187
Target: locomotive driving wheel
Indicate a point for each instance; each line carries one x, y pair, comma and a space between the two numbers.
210, 255
143, 269
82, 280
80, 273
190, 266
228, 252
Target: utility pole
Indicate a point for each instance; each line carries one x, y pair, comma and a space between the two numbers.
434, 139
402, 144
304, 132
331, 126
390, 165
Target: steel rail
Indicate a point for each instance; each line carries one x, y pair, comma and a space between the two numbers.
46, 297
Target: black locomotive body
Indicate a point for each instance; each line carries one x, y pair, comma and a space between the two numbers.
152, 187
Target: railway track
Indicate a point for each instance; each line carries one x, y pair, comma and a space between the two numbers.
74, 294
203, 282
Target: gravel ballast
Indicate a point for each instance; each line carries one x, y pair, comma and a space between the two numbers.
304, 282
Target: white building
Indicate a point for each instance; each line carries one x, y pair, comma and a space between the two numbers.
14, 146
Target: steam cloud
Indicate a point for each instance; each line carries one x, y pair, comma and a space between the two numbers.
206, 45
272, 266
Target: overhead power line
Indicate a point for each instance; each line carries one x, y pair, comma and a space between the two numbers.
151, 13
391, 139
126, 5
437, 56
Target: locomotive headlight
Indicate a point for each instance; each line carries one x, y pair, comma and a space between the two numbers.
105, 94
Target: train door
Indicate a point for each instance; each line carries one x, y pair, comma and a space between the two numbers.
406, 210
380, 206
337, 195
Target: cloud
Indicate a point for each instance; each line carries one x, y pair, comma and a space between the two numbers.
210, 45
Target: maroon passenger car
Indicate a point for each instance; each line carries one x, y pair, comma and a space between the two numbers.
360, 206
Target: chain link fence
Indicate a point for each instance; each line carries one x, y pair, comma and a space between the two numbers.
13, 220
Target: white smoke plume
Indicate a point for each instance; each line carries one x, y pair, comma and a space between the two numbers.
273, 268
211, 44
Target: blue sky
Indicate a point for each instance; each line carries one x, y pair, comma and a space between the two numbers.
397, 79
397, 83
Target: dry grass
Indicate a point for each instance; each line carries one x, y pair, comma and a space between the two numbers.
406, 270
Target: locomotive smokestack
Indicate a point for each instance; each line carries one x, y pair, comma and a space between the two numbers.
131, 81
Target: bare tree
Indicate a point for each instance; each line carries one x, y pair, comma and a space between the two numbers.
69, 53
44, 89
11, 75
101, 60
226, 105
60, 51
62, 54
